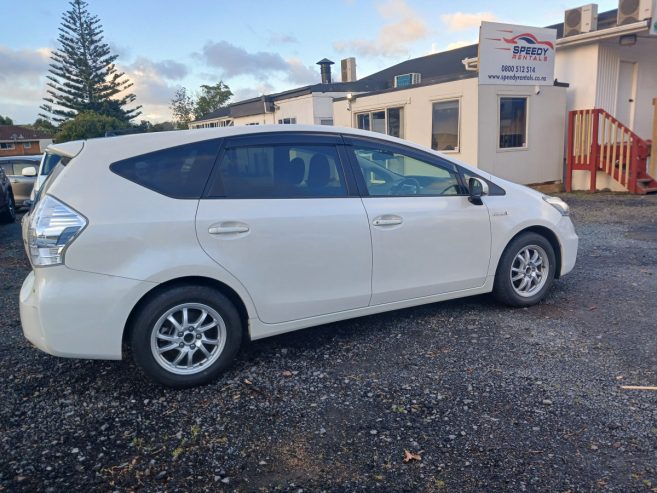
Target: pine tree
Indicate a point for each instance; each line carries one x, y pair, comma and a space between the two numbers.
83, 76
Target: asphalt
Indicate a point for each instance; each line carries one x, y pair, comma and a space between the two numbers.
483, 397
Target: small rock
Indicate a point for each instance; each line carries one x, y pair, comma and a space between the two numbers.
547, 402
225, 480
161, 475
373, 432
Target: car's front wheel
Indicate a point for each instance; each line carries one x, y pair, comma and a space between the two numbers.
186, 336
525, 271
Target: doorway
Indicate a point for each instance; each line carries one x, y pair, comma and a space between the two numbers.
626, 95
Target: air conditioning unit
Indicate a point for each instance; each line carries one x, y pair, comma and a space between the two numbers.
583, 19
630, 11
406, 80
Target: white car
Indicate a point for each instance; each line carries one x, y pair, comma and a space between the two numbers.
179, 245
48, 162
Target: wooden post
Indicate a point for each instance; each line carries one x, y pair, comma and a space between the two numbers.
570, 156
595, 149
653, 147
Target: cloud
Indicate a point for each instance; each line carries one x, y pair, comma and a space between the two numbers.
461, 21
234, 61
23, 64
154, 86
251, 92
404, 27
282, 38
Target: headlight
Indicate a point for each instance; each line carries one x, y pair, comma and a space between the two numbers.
53, 226
558, 204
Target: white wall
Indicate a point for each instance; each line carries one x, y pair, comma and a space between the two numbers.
578, 67
417, 121
645, 54
543, 158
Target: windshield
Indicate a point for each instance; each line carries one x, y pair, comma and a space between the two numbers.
49, 162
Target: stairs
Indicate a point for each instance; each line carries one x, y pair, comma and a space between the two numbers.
597, 142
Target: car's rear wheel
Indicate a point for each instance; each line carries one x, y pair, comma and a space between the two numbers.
525, 271
9, 214
186, 336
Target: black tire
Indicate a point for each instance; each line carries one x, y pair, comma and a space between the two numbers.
504, 289
9, 214
152, 313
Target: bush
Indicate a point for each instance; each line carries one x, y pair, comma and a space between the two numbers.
87, 125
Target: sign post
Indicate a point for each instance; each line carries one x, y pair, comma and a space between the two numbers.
516, 55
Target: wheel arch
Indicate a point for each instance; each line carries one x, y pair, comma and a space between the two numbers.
549, 235
223, 288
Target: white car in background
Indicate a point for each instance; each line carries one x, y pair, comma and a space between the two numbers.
181, 244
48, 162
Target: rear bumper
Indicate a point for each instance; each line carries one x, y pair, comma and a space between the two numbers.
77, 314
569, 244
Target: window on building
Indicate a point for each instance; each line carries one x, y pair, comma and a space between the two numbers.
287, 121
389, 172
445, 126
7, 146
327, 121
513, 122
279, 171
27, 145
254, 123
388, 121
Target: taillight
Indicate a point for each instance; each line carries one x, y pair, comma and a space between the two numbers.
53, 226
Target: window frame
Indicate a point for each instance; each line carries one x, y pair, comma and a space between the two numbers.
284, 139
27, 145
9, 146
292, 120
385, 109
458, 123
499, 122
437, 161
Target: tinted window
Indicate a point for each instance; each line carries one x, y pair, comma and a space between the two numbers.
49, 162
513, 122
7, 167
390, 172
279, 171
179, 172
20, 165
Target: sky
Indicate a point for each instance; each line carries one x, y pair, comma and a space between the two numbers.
254, 46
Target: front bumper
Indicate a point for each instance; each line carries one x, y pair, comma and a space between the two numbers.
569, 243
77, 314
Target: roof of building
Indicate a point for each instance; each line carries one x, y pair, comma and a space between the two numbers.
18, 133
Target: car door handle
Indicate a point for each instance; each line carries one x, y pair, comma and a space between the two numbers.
228, 228
387, 220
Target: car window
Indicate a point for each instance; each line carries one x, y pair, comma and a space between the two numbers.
389, 172
49, 162
180, 172
279, 171
20, 165
7, 167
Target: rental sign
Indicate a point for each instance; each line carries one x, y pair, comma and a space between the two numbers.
516, 55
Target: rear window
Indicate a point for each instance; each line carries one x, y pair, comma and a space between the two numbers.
179, 172
49, 162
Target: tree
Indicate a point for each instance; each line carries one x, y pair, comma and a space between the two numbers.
211, 99
83, 76
182, 107
86, 125
5, 120
44, 125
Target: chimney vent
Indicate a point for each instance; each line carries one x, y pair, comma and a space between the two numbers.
348, 69
325, 69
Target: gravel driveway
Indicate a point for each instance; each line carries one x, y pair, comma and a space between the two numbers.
488, 398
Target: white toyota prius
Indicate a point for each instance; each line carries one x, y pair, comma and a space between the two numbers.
179, 245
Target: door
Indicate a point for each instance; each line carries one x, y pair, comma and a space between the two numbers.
625, 99
427, 238
21, 185
282, 217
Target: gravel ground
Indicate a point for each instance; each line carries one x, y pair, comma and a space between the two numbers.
489, 398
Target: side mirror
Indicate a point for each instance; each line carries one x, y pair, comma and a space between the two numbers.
29, 171
478, 188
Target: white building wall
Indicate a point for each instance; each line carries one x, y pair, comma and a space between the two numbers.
578, 66
418, 107
645, 54
543, 158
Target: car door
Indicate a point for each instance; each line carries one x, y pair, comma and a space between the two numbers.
22, 185
282, 214
427, 238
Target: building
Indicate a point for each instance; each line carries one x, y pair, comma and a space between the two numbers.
517, 132
22, 141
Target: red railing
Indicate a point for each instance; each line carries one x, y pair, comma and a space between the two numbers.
599, 142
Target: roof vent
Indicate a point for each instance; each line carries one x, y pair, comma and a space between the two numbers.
583, 19
630, 11
325, 69
406, 80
